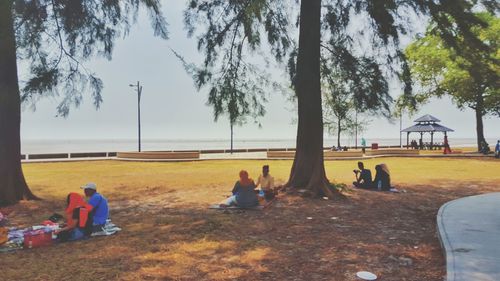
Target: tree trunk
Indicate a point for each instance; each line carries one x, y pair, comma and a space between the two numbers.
232, 138
13, 186
308, 169
339, 131
479, 127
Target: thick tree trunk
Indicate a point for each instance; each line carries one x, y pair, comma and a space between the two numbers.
13, 186
479, 121
479, 129
308, 169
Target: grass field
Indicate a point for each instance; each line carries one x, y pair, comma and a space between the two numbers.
169, 234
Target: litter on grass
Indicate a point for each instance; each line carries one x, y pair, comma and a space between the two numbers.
365, 275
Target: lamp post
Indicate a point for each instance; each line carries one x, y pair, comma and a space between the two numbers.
400, 129
138, 88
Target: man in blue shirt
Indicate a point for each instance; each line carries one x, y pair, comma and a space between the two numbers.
100, 204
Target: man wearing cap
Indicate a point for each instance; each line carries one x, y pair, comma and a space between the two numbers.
100, 204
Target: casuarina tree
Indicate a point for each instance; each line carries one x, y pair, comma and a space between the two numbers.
351, 86
53, 38
320, 22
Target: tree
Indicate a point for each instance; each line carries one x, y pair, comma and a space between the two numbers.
338, 111
469, 74
352, 85
380, 24
237, 88
54, 37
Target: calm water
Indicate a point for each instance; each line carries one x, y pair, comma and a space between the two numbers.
113, 145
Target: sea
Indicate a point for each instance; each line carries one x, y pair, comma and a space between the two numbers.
34, 146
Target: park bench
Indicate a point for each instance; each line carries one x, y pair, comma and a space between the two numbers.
392, 151
159, 155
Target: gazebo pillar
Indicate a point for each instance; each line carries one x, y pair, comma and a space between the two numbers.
407, 140
432, 140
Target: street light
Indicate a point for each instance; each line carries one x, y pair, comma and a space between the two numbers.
138, 88
400, 128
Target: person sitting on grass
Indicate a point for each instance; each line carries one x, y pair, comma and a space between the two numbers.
382, 178
99, 204
363, 177
243, 193
497, 149
266, 182
79, 218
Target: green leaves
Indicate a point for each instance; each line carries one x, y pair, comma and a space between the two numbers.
56, 38
470, 75
231, 33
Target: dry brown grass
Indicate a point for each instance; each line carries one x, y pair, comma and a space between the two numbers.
170, 235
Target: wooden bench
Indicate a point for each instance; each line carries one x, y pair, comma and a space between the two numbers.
281, 154
392, 151
159, 155
339, 154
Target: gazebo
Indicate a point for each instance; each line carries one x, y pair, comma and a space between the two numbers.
426, 124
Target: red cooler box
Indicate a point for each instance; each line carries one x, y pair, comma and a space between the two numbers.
37, 238
374, 145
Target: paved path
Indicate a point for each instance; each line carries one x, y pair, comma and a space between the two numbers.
469, 229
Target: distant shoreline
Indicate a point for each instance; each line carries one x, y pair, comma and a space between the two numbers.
114, 145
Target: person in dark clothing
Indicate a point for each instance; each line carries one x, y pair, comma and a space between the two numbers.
363, 177
497, 149
244, 195
382, 177
485, 148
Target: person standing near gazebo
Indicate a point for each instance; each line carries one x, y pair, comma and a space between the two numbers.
447, 149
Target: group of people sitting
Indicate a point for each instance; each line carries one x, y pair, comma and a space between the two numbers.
339, 148
382, 179
245, 192
84, 217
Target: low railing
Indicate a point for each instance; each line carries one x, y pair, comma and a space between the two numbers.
79, 155
44, 156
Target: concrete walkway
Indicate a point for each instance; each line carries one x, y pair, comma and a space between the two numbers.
469, 230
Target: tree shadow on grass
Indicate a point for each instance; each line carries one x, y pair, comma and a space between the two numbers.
393, 235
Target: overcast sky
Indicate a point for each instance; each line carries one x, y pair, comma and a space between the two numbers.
173, 109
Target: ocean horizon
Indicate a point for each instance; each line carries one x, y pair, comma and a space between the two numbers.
40, 146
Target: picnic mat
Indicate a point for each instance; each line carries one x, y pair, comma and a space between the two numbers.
16, 236
260, 207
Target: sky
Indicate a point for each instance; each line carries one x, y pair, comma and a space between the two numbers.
172, 108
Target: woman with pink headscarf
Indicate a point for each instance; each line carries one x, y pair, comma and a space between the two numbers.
244, 195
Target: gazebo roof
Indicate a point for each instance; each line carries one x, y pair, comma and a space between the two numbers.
427, 123
427, 118
427, 128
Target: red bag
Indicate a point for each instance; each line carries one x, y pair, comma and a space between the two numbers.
37, 238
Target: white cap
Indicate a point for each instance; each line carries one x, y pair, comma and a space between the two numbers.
89, 185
